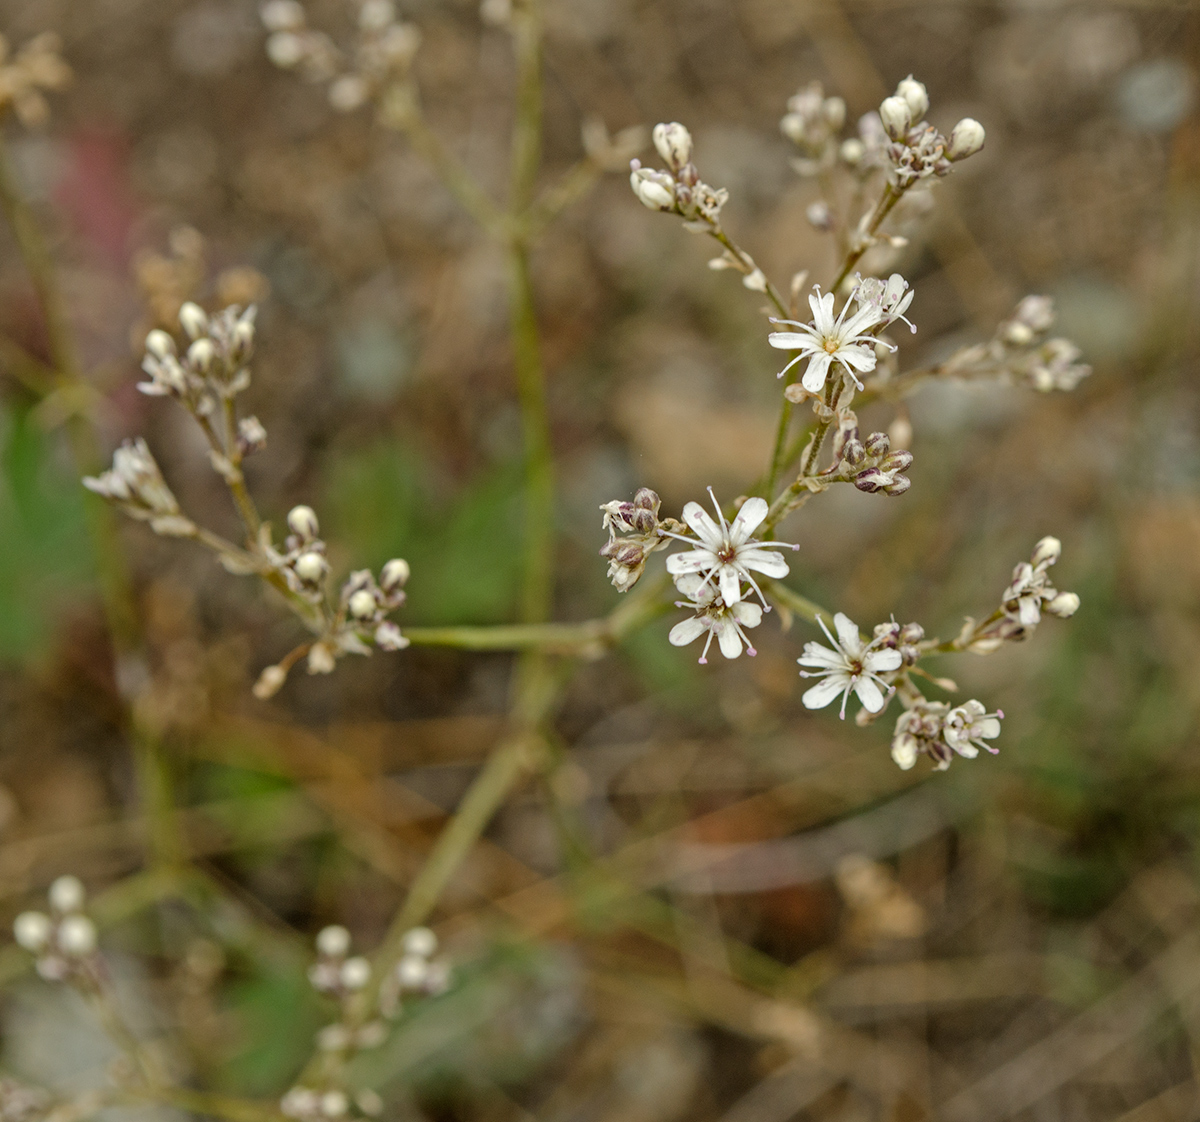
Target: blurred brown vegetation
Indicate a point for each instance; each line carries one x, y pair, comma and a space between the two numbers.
1030, 945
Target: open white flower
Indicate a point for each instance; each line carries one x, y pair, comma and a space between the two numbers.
724, 621
827, 340
968, 728
850, 665
726, 553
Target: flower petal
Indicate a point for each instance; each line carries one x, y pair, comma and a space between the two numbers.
731, 586
827, 690
694, 561
747, 613
765, 561
687, 631
730, 640
814, 376
823, 657
879, 662
847, 633
869, 694
748, 520
703, 526
791, 341
856, 357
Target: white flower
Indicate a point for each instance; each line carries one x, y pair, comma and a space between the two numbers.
827, 340
891, 297
969, 726
1031, 589
714, 616
726, 553
850, 665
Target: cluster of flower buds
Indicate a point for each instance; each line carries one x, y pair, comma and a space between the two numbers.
418, 972
679, 189
303, 564
1028, 595
905, 638
364, 604
336, 975
382, 55
135, 484
307, 1104
37, 66
917, 150
633, 534
710, 575
214, 365
63, 941
813, 123
1021, 351
936, 730
870, 464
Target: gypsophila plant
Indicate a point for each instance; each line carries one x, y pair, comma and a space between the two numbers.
727, 566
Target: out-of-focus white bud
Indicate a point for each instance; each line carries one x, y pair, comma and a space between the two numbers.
1018, 334
76, 936
32, 930
201, 354
348, 93
302, 521
310, 567
1036, 313
654, 189
375, 15
160, 344
394, 574
755, 280
369, 1102
333, 941
833, 109
388, 637
420, 941
269, 682
896, 116
917, 97
320, 659
438, 979
362, 604
904, 750
819, 215
67, 894
792, 126
852, 151
1064, 605
966, 138
300, 1102
674, 144
356, 973
193, 320
286, 49
334, 1038
1046, 551
412, 970
282, 15
334, 1104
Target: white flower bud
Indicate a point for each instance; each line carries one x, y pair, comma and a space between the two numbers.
333, 941
375, 15
654, 189
310, 567
67, 894
394, 574
302, 521
320, 659
348, 93
362, 604
369, 1102
201, 353
833, 109
1046, 551
674, 144
420, 941
282, 15
917, 97
966, 138
269, 682
411, 971
334, 1104
76, 936
356, 973
32, 930
299, 1102
792, 126
904, 750
852, 151
388, 637
160, 344
193, 320
333, 1038
896, 116
1064, 605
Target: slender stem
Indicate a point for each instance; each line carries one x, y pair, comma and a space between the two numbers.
772, 292
865, 238
237, 482
526, 157
800, 605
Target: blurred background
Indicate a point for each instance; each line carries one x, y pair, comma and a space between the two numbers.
1016, 938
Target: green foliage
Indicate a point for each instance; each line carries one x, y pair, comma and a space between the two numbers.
44, 559
464, 549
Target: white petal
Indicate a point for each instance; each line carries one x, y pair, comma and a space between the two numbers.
967, 750
731, 586
690, 584
730, 640
1030, 610
694, 561
791, 341
847, 633
880, 661
686, 632
748, 519
988, 728
822, 310
827, 690
765, 561
817, 655
747, 613
869, 694
857, 358
904, 751
703, 526
814, 376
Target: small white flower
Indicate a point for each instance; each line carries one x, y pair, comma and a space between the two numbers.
654, 189
724, 622
969, 726
891, 297
726, 553
850, 665
827, 340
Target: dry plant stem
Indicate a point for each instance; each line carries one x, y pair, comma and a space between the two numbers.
237, 484
864, 239
166, 845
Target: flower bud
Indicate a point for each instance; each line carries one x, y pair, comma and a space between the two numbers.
282, 15
792, 126
420, 941
356, 973
871, 480
269, 682
674, 144
833, 109
877, 444
348, 93
201, 354
412, 970
654, 189
896, 117
904, 750
1046, 552
32, 931
67, 894
966, 138
362, 604
334, 1104
375, 15
819, 215
852, 151
76, 936
286, 49
915, 96
333, 941
389, 638
310, 567
302, 521
160, 344
897, 486
1064, 605
900, 460
193, 320
394, 574
320, 659
1036, 313
853, 452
